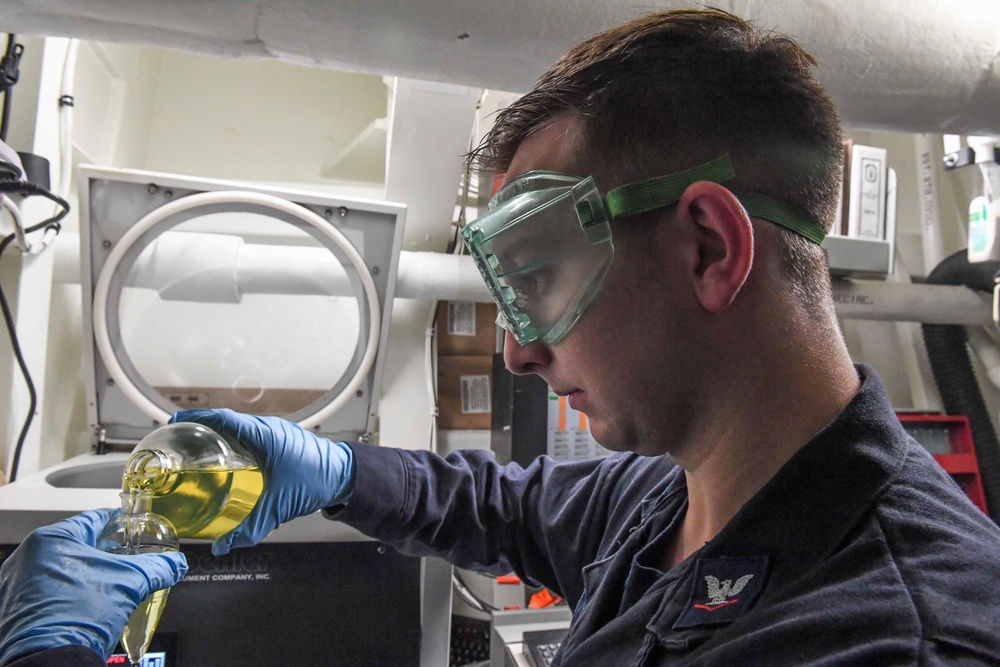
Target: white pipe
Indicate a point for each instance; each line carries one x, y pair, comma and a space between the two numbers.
910, 343
906, 302
441, 276
928, 167
217, 268
431, 276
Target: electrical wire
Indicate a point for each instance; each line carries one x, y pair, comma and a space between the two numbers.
52, 224
9, 73
8, 77
456, 247
66, 105
16, 346
430, 376
15, 215
470, 597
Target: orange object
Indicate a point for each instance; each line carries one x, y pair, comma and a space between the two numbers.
508, 579
543, 598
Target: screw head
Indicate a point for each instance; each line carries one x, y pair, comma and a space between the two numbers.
342, 211
375, 270
110, 382
106, 244
152, 188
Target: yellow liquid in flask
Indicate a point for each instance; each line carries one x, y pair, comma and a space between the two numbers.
142, 624
205, 503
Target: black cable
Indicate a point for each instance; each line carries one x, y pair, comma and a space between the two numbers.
51, 223
9, 74
5, 115
470, 597
32, 398
29, 189
432, 362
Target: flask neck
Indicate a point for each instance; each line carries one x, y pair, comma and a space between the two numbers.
136, 501
147, 470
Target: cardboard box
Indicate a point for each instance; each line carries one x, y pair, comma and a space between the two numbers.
465, 392
466, 328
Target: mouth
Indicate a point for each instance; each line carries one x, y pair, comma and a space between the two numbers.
575, 399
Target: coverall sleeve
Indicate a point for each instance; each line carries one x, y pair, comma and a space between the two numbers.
544, 522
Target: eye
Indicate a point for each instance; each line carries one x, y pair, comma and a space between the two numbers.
531, 286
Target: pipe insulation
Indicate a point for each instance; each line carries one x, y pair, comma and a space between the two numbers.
218, 268
908, 65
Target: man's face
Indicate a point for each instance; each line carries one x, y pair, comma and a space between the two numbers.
624, 361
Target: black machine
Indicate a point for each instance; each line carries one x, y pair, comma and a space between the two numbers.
284, 604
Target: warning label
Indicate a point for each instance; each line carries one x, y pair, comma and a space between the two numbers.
475, 394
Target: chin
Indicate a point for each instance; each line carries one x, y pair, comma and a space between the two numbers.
614, 440
625, 440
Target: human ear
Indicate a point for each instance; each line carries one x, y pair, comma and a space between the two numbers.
724, 241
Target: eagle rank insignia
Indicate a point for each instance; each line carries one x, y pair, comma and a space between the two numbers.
723, 590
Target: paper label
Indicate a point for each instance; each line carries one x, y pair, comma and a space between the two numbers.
475, 394
462, 318
869, 224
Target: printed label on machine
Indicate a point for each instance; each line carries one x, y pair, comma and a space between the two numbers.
462, 319
476, 394
569, 437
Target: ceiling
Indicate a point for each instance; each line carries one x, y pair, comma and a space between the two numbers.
913, 65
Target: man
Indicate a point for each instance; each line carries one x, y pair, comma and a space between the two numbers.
765, 506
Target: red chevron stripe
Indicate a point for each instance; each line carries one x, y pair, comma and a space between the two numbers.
716, 606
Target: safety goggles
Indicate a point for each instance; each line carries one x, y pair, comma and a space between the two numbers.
544, 245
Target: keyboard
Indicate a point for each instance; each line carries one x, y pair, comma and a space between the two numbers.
470, 641
540, 646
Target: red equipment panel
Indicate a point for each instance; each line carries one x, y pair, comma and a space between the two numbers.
949, 440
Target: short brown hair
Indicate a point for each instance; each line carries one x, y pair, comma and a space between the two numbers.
674, 89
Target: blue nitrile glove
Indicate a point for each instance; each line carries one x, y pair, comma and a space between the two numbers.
303, 473
56, 589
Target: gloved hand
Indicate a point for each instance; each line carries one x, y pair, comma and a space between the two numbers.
303, 473
56, 589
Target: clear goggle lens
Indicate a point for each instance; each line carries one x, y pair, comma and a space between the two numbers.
543, 252
544, 246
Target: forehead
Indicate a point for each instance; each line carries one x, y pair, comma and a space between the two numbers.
554, 147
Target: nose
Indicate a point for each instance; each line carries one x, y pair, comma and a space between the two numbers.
533, 357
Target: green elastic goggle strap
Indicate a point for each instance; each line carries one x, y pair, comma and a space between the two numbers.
662, 191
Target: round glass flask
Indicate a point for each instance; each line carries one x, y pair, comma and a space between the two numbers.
137, 530
204, 484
